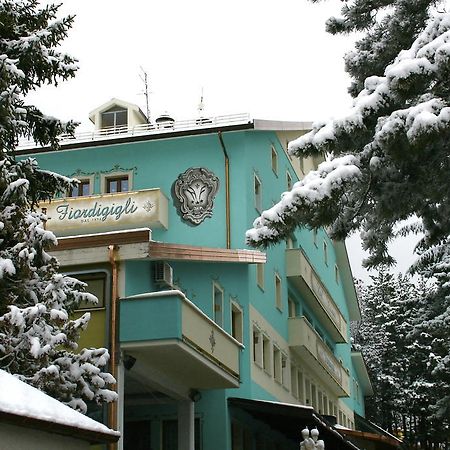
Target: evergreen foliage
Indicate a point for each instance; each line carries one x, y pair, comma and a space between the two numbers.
38, 339
387, 161
398, 346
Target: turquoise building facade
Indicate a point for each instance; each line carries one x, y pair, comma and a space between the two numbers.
215, 346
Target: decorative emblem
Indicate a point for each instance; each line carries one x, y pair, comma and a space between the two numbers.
148, 206
195, 190
212, 341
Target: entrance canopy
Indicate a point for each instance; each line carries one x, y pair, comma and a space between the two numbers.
290, 420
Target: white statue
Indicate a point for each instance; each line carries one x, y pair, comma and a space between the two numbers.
311, 442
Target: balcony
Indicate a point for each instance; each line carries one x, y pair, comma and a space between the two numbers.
304, 277
175, 338
107, 212
305, 341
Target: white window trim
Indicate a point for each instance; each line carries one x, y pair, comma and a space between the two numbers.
217, 286
236, 306
258, 204
274, 158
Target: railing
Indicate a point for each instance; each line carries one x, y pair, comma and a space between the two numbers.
316, 294
145, 129
304, 339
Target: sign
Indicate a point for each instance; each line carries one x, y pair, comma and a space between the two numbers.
107, 212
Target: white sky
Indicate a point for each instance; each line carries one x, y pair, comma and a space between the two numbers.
271, 59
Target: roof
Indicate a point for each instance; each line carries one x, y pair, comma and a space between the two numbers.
152, 131
361, 371
26, 406
116, 102
289, 419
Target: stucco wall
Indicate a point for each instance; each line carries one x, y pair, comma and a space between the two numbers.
13, 437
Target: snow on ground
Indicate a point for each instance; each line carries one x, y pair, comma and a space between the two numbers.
17, 397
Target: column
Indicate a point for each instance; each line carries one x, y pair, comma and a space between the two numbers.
186, 419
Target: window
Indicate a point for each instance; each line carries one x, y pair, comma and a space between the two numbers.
257, 347
284, 370
218, 304
115, 117
313, 396
236, 321
301, 162
325, 252
307, 392
320, 401
314, 236
117, 184
257, 189
266, 353
96, 285
301, 390
291, 242
81, 190
288, 181
294, 384
277, 364
336, 273
291, 308
260, 275
278, 293
325, 404
274, 160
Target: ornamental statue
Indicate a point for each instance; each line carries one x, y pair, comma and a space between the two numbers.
195, 190
311, 442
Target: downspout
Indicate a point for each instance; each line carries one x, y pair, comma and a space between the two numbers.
112, 410
227, 190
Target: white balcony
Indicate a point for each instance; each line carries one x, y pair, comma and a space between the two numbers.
305, 341
304, 277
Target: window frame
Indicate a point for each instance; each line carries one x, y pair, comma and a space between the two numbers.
260, 275
289, 181
93, 274
235, 307
114, 175
216, 287
274, 160
114, 111
257, 192
278, 291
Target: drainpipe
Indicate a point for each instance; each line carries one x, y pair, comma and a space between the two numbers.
227, 190
112, 410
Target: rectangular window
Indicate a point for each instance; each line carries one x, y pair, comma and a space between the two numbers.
291, 308
277, 364
289, 183
336, 273
117, 184
325, 404
301, 389
257, 347
314, 236
325, 252
115, 117
294, 384
81, 190
218, 304
320, 401
274, 160
266, 353
307, 392
278, 293
236, 322
313, 396
257, 189
260, 275
284, 370
96, 285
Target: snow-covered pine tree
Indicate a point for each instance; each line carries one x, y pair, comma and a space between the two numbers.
37, 336
388, 159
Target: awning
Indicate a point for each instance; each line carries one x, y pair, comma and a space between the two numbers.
290, 419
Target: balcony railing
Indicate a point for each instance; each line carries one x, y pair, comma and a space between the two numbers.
305, 341
300, 271
172, 333
146, 129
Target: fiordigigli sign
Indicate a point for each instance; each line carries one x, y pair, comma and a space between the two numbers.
107, 212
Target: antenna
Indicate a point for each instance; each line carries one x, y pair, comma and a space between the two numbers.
201, 105
144, 78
